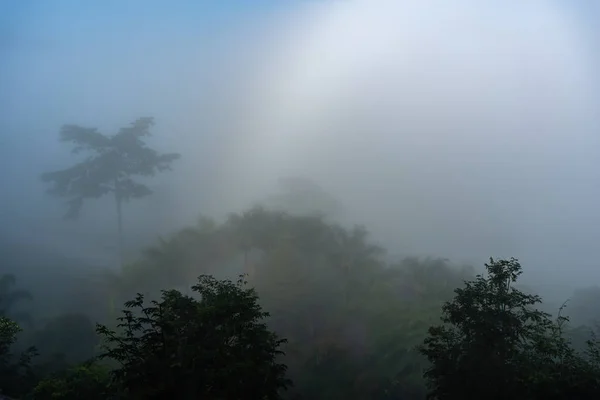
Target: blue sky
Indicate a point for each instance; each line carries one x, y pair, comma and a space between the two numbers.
38, 26
39, 18
35, 25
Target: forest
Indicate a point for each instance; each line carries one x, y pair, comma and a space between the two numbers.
319, 314
281, 302
299, 200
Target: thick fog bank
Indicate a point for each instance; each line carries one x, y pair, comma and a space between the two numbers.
463, 130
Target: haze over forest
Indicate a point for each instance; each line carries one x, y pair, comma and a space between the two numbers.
459, 130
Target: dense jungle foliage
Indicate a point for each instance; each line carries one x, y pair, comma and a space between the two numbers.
320, 313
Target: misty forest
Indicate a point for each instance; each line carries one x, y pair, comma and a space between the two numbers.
309, 201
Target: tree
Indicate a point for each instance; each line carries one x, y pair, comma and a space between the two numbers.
15, 372
115, 160
180, 347
495, 344
8, 334
302, 196
347, 315
90, 381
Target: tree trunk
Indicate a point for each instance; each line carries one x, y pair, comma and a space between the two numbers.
118, 202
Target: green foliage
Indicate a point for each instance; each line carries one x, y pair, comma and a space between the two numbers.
180, 347
8, 334
495, 344
352, 320
115, 160
329, 292
15, 371
89, 381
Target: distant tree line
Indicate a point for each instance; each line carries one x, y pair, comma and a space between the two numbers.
347, 325
318, 312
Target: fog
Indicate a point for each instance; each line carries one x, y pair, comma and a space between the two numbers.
462, 129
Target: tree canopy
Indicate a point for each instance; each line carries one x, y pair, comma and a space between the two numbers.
329, 290
356, 324
15, 369
495, 344
217, 347
110, 168
111, 164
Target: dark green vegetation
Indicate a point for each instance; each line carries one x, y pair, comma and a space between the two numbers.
495, 344
320, 311
355, 325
